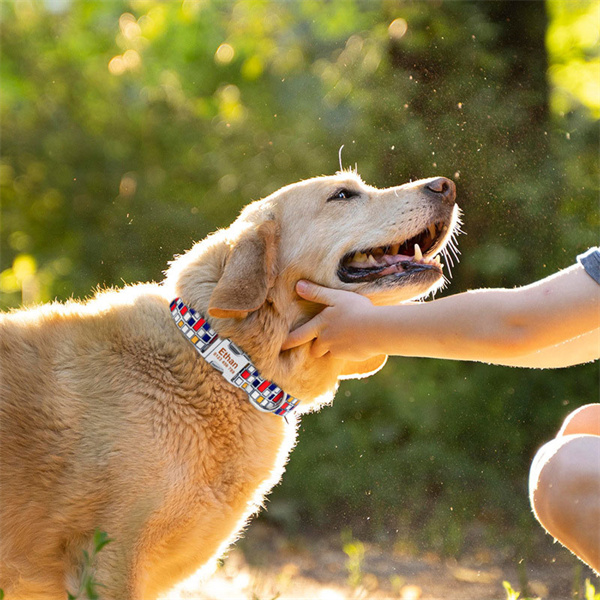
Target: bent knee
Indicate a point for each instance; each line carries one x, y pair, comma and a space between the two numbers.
566, 469
584, 420
564, 490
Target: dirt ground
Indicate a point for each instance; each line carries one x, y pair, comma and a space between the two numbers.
268, 566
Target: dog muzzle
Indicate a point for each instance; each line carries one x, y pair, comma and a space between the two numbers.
233, 364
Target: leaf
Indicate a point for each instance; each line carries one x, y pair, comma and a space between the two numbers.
90, 589
590, 591
510, 593
101, 539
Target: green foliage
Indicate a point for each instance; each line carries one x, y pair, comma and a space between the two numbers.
355, 550
432, 447
512, 594
150, 124
132, 128
572, 42
88, 587
590, 591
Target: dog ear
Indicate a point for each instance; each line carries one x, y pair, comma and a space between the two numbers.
249, 273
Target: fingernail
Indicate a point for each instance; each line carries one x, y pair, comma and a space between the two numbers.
302, 286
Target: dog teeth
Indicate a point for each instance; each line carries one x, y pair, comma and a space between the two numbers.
432, 231
418, 253
436, 261
377, 257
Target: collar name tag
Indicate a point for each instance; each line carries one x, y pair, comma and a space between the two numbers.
232, 362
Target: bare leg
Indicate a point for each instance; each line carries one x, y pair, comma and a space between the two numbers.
564, 485
585, 419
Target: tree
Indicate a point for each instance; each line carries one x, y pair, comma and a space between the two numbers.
131, 129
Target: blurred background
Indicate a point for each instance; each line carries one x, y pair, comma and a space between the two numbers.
131, 129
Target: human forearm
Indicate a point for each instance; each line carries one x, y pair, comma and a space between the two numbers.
502, 326
582, 349
354, 329
448, 328
497, 326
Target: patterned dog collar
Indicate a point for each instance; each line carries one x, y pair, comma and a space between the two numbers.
235, 365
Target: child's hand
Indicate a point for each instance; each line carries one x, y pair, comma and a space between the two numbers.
338, 328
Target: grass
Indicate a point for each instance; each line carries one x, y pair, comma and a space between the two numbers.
512, 594
590, 592
88, 587
355, 551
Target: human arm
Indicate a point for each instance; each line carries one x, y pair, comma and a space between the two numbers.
582, 349
545, 324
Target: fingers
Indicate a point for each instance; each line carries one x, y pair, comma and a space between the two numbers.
318, 348
318, 293
305, 333
311, 330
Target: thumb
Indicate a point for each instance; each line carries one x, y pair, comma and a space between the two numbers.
305, 333
320, 294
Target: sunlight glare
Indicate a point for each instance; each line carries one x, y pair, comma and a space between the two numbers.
330, 594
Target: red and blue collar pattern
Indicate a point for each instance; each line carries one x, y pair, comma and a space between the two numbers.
235, 365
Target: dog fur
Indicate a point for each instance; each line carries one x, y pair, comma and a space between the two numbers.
110, 420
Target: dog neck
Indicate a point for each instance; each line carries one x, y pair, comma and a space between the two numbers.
235, 366
193, 278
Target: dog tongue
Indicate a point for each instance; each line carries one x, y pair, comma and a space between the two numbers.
393, 268
381, 261
393, 259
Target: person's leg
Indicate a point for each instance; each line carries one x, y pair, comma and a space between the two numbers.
585, 419
564, 485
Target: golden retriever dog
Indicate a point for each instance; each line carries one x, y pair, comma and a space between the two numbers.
110, 419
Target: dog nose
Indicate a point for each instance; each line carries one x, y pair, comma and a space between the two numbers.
444, 187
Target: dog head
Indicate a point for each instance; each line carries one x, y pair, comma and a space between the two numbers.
336, 231
341, 233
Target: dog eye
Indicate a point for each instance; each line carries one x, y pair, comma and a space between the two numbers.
342, 194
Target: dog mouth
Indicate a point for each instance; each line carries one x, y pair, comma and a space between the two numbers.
417, 254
